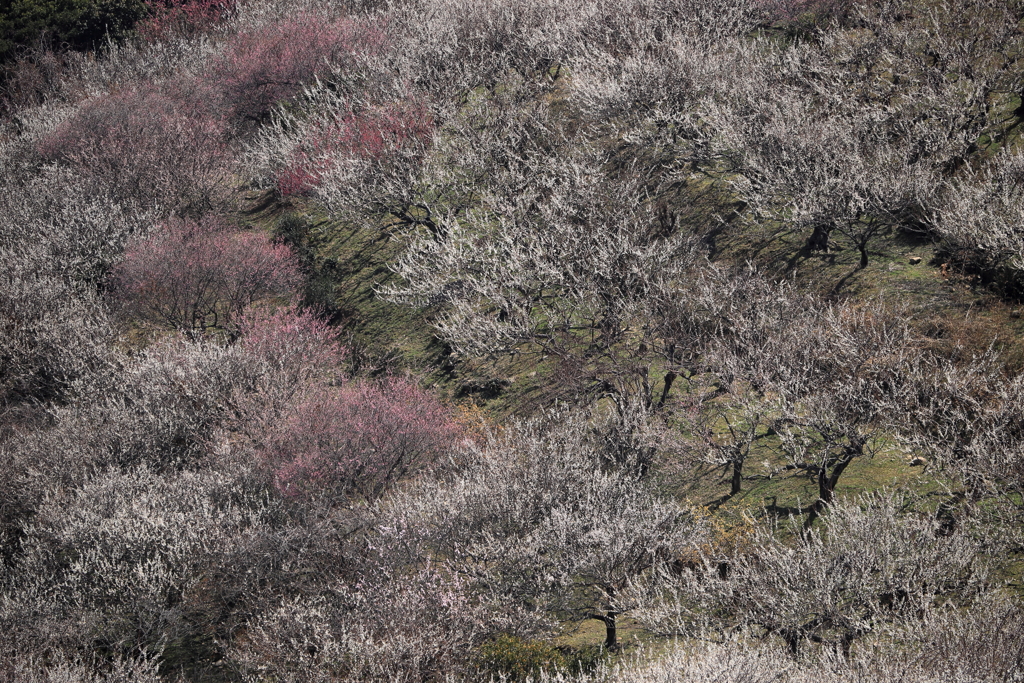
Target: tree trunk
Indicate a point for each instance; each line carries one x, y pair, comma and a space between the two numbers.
818, 241
827, 482
845, 644
827, 485
863, 247
610, 636
670, 377
737, 477
792, 639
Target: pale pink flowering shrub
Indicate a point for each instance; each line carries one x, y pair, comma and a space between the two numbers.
372, 135
261, 68
290, 336
149, 145
287, 351
360, 439
199, 276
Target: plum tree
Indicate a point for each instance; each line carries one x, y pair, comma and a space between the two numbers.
979, 220
154, 146
538, 526
561, 262
359, 440
200, 276
867, 569
260, 68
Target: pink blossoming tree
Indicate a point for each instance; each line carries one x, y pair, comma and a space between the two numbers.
373, 136
156, 146
263, 67
360, 439
200, 276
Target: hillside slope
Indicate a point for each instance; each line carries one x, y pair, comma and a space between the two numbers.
448, 339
